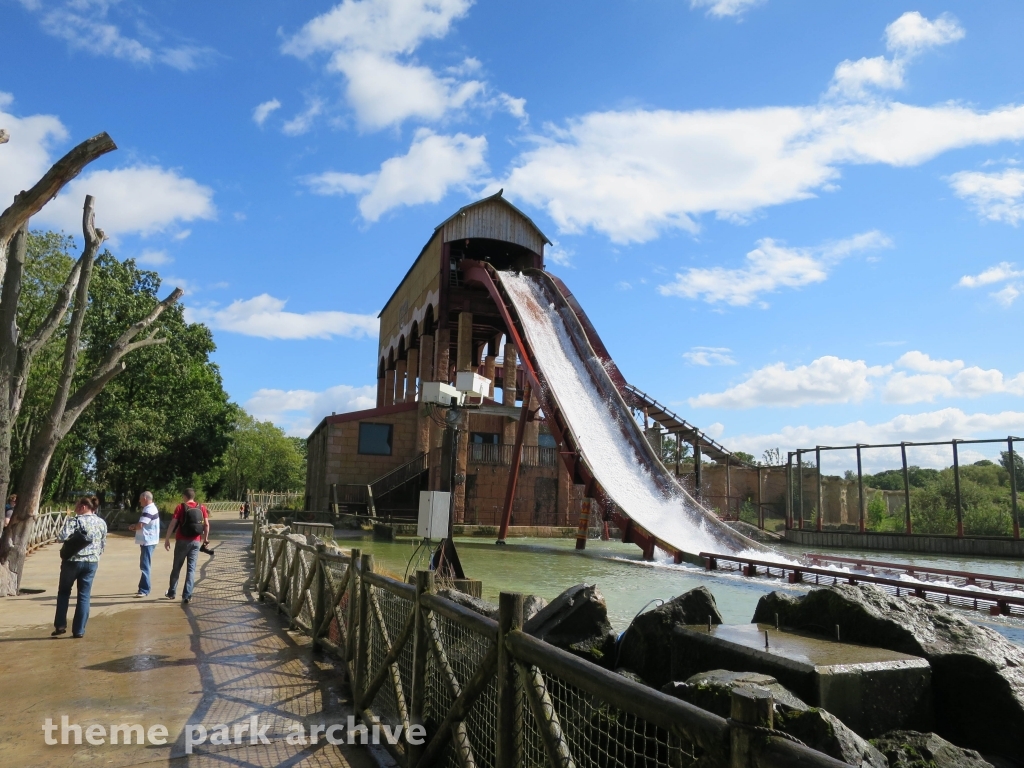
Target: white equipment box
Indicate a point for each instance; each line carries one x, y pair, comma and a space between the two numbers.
435, 507
440, 393
470, 381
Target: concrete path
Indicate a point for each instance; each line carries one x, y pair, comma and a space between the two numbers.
220, 660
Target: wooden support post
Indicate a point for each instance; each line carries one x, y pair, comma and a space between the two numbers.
363, 644
789, 490
679, 451
320, 599
1013, 487
800, 487
728, 487
508, 750
906, 487
956, 490
749, 707
698, 487
821, 495
353, 607
420, 652
464, 350
584, 524
860, 491
513, 472
760, 510
489, 371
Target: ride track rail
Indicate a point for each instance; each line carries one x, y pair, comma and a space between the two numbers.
1009, 602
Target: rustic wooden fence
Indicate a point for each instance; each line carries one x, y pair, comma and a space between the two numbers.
487, 693
46, 525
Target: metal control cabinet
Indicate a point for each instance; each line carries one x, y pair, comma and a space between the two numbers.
435, 508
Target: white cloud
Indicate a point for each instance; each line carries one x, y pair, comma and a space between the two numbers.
828, 379
919, 361
262, 111
371, 42
85, 25
854, 79
632, 174
303, 121
150, 258
1002, 272
264, 316
722, 8
27, 156
298, 411
556, 254
140, 199
916, 388
912, 33
907, 37
995, 196
433, 165
943, 424
710, 356
768, 267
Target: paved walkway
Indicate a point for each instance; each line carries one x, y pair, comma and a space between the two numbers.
220, 660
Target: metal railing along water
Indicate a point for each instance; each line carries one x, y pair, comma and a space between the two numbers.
486, 693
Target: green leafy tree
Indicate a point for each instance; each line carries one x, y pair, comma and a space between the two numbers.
260, 457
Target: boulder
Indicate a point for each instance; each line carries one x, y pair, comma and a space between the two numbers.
646, 646
532, 605
577, 621
910, 749
977, 674
475, 604
813, 726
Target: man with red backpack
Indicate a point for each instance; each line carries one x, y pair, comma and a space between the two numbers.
191, 528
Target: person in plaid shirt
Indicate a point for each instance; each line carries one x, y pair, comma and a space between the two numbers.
80, 567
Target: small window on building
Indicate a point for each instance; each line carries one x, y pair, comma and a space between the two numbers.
485, 438
546, 440
375, 439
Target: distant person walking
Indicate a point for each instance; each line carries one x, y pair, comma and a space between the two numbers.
147, 536
12, 502
191, 528
84, 537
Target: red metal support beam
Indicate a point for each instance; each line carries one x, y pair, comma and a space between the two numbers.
513, 474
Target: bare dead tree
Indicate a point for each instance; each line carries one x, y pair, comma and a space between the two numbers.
16, 354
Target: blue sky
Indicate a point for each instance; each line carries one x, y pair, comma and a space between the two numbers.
797, 222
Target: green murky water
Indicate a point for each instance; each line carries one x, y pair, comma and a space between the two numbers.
546, 567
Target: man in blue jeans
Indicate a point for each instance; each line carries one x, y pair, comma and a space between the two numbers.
147, 536
186, 543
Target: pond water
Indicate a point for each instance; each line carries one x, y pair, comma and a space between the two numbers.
546, 567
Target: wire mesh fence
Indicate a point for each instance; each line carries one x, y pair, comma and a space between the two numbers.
483, 692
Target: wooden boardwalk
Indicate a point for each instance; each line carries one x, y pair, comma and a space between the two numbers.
220, 660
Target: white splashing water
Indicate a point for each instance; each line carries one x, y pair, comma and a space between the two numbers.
599, 426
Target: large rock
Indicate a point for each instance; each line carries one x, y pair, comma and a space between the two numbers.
532, 604
577, 621
815, 727
977, 674
910, 749
646, 646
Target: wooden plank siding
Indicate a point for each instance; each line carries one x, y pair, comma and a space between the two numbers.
494, 219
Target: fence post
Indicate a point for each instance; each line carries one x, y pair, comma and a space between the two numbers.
510, 726
800, 486
353, 605
760, 509
1013, 487
363, 652
749, 707
320, 603
420, 651
821, 497
789, 490
906, 487
956, 487
860, 490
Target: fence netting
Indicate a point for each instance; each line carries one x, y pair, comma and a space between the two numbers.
387, 617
